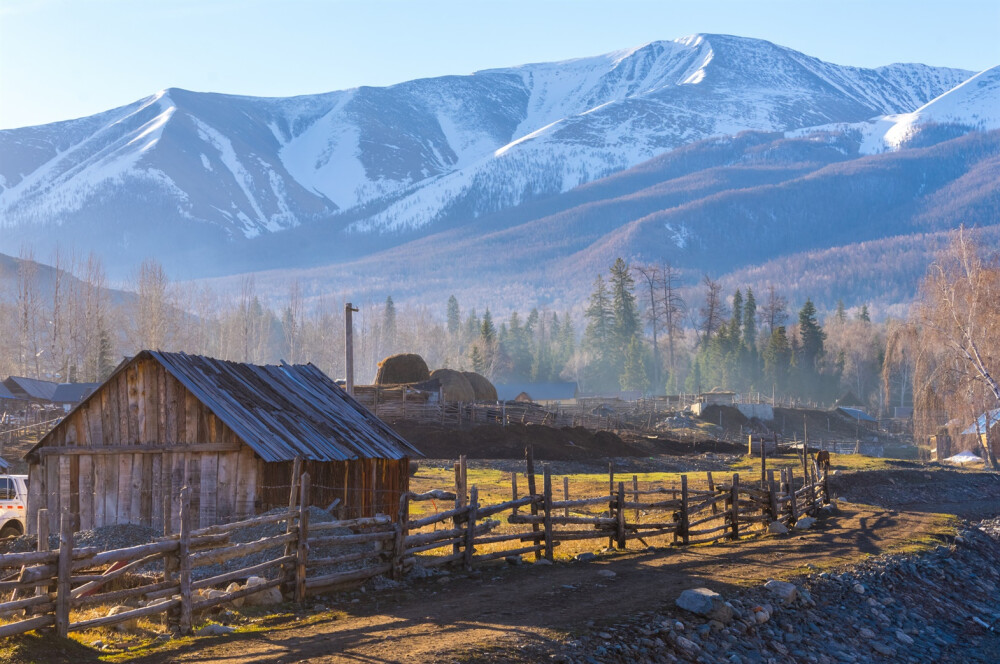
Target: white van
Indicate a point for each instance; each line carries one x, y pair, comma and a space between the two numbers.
13, 498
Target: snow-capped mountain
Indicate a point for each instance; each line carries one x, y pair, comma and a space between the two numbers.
973, 105
184, 174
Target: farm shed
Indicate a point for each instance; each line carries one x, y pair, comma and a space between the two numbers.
229, 431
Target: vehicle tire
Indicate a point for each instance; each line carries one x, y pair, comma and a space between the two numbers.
10, 530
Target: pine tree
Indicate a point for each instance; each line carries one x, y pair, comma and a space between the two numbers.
626, 313
841, 312
634, 376
389, 325
777, 359
454, 317
736, 322
863, 315
811, 336
597, 337
487, 331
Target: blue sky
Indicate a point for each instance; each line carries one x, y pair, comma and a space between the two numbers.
61, 59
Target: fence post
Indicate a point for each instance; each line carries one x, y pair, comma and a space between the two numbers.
791, 494
65, 568
566, 494
43, 541
513, 489
547, 488
288, 570
772, 495
184, 560
635, 494
711, 488
684, 509
611, 494
302, 551
621, 516
399, 544
735, 500
529, 454
826, 486
470, 527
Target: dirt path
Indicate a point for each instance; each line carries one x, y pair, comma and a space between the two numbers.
435, 621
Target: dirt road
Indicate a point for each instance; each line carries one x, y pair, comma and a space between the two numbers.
461, 617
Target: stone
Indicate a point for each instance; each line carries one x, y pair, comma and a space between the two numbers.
805, 523
786, 592
606, 573
866, 633
705, 602
125, 625
777, 528
543, 561
687, 644
585, 557
231, 588
213, 629
858, 588
265, 597
513, 560
904, 637
883, 649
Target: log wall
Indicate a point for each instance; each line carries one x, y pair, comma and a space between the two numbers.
124, 455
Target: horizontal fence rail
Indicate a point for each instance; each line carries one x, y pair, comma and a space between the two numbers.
51, 588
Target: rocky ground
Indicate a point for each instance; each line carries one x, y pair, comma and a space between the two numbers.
941, 606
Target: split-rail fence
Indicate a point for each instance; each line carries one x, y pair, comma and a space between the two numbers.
45, 588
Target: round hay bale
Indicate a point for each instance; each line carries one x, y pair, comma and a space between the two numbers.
402, 368
481, 385
454, 385
523, 397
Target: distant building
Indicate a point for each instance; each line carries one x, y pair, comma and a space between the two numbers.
538, 392
858, 416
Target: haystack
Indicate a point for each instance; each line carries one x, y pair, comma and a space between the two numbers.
402, 368
523, 397
481, 385
454, 385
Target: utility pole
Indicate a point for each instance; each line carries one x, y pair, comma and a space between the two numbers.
349, 337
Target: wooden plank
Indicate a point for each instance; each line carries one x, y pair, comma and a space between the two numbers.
156, 492
36, 496
111, 490
209, 493
192, 409
142, 425
192, 466
184, 557
226, 488
144, 489
124, 488
140, 449
132, 402
52, 491
65, 568
245, 469
99, 469
87, 498
178, 478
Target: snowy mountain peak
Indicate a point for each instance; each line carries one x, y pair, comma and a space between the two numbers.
372, 162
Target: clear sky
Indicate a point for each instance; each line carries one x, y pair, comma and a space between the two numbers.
61, 59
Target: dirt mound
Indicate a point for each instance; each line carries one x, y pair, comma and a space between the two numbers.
496, 442
728, 416
402, 368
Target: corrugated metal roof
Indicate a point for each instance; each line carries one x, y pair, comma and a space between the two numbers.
6, 394
979, 426
857, 414
73, 392
280, 411
43, 390
286, 411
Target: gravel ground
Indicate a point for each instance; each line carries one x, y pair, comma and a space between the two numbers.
940, 606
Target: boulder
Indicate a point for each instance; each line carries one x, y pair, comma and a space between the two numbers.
805, 523
213, 629
777, 528
705, 602
786, 592
126, 625
231, 588
264, 597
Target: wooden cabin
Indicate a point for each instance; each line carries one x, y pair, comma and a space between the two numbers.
230, 431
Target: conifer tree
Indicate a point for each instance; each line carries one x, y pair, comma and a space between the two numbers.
454, 317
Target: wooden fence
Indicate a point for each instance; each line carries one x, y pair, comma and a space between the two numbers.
47, 587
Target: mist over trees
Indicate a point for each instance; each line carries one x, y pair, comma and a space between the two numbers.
636, 333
